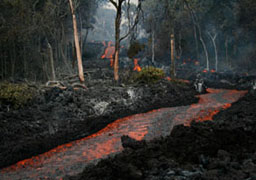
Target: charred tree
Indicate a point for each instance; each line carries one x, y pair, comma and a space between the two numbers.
77, 46
173, 73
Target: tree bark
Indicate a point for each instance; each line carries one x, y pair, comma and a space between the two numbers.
173, 73
51, 62
78, 51
117, 39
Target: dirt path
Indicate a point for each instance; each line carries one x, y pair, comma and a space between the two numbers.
70, 158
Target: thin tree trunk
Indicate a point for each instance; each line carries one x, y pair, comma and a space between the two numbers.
153, 46
78, 51
24, 62
196, 23
213, 38
226, 52
206, 53
172, 56
64, 57
81, 35
180, 47
196, 42
51, 62
2, 64
117, 41
13, 57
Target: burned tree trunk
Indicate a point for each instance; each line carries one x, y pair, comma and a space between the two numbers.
173, 73
118, 6
78, 51
117, 42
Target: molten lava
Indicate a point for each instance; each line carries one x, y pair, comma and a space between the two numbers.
71, 158
136, 65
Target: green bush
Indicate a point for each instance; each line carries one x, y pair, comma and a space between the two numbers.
149, 75
15, 95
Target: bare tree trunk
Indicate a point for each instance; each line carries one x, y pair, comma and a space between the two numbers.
206, 54
2, 63
153, 46
117, 41
213, 38
64, 57
78, 51
196, 23
226, 52
81, 35
13, 57
51, 62
24, 62
173, 73
196, 42
180, 47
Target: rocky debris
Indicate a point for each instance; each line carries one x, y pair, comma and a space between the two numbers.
219, 149
58, 116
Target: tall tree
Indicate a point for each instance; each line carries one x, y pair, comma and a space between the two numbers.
118, 6
78, 50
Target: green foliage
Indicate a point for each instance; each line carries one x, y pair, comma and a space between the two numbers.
16, 95
134, 49
149, 75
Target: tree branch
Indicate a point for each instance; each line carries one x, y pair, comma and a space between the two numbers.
114, 3
136, 21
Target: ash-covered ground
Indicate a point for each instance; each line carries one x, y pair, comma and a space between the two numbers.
224, 148
57, 116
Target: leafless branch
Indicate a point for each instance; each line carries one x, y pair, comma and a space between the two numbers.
114, 3
136, 21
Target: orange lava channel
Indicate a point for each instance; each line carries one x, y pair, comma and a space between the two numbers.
71, 158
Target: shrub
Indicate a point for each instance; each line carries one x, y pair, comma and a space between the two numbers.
149, 75
15, 95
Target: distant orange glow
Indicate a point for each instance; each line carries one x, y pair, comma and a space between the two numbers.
205, 71
213, 71
109, 53
136, 65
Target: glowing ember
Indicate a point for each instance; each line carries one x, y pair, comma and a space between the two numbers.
136, 65
71, 158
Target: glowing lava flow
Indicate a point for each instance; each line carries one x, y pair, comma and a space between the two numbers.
71, 158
